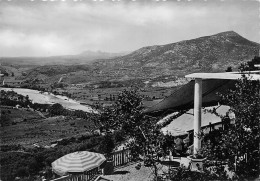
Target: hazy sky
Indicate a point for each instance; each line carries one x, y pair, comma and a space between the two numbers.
62, 27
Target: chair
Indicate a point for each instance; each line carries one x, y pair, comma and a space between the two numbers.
185, 163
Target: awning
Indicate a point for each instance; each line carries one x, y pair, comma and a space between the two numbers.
182, 98
184, 123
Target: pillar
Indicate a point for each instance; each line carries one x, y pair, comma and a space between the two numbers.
197, 113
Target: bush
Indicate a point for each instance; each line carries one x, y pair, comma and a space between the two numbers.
22, 172
241, 139
107, 145
119, 136
5, 148
56, 109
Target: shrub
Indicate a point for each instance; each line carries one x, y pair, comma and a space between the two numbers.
241, 139
22, 172
107, 145
119, 136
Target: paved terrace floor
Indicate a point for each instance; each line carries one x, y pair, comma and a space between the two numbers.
130, 173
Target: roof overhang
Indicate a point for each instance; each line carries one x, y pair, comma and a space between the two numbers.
253, 75
183, 97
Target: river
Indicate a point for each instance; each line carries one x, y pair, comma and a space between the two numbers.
46, 98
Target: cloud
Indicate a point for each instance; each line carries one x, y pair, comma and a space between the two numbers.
21, 44
51, 28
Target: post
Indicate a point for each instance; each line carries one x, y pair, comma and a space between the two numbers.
197, 113
123, 156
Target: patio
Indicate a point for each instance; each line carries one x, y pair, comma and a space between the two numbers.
131, 172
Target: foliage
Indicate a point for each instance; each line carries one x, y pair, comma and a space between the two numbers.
239, 145
5, 148
119, 136
249, 66
107, 145
56, 109
143, 134
30, 162
11, 98
17, 161
128, 109
229, 69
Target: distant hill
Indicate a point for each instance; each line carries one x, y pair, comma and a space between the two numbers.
100, 55
159, 65
82, 58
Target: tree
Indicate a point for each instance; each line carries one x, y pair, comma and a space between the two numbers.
239, 145
229, 69
147, 141
56, 109
27, 100
107, 145
6, 74
144, 136
250, 65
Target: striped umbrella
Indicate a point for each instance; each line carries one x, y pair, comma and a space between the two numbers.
77, 162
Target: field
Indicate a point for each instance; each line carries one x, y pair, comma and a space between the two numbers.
12, 116
109, 95
26, 127
32, 128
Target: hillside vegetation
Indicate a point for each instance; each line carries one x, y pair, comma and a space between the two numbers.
209, 54
160, 65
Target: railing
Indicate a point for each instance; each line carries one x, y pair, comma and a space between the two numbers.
121, 157
64, 178
89, 175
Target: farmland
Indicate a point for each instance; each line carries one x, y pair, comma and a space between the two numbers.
30, 128
108, 95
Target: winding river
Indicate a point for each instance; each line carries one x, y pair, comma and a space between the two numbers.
46, 98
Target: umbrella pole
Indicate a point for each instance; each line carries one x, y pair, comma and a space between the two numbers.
197, 114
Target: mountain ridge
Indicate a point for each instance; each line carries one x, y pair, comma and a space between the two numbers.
225, 48
212, 53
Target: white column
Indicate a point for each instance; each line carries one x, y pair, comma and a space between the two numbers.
197, 113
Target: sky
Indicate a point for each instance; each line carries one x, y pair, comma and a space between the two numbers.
67, 27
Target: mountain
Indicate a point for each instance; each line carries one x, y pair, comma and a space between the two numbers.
82, 58
159, 65
208, 54
100, 55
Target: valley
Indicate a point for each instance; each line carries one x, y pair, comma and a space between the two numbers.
52, 113
155, 70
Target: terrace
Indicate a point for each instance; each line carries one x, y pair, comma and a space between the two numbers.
205, 87
127, 169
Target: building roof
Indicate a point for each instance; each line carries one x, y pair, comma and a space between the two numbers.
212, 84
184, 123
